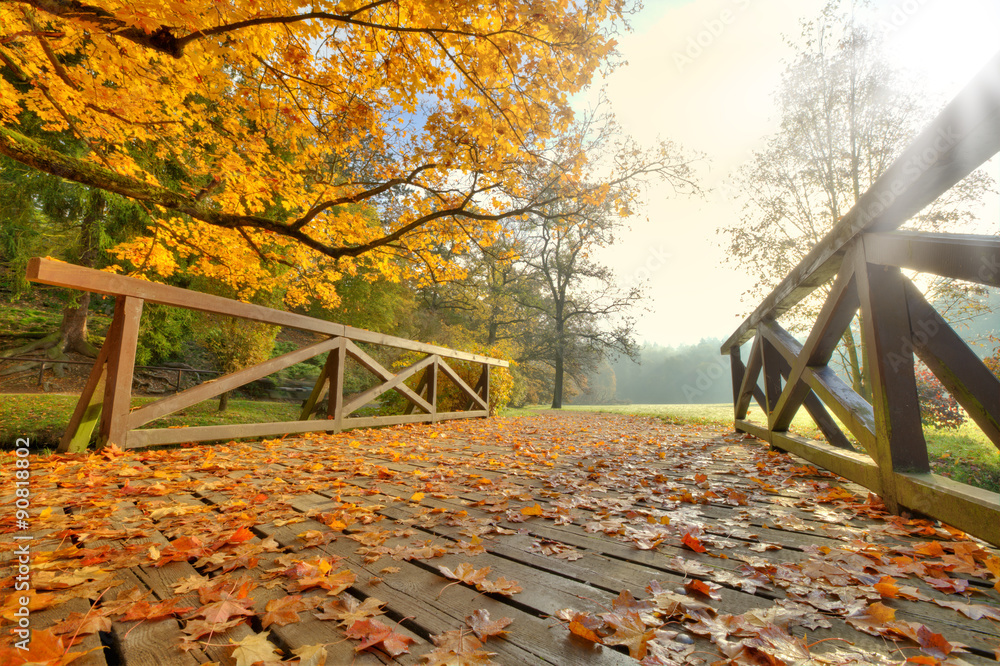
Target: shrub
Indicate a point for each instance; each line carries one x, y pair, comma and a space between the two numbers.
163, 334
937, 407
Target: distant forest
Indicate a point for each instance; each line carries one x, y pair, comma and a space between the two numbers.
693, 374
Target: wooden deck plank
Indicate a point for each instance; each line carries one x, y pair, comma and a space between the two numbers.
652, 565
959, 628
449, 611
473, 481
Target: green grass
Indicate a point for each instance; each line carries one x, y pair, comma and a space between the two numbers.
19, 321
964, 454
513, 412
43, 417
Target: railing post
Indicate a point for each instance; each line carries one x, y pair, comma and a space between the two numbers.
121, 364
899, 437
335, 373
772, 362
737, 369
432, 385
91, 403
484, 380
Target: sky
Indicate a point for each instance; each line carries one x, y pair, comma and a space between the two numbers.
704, 73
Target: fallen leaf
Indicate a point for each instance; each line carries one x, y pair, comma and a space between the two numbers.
254, 649
311, 655
582, 631
483, 627
693, 543
373, 633
534, 510
283, 611
500, 586
710, 590
630, 631
45, 648
457, 648
347, 610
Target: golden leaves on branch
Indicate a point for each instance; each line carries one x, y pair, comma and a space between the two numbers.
275, 131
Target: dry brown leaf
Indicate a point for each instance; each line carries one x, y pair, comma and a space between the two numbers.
483, 627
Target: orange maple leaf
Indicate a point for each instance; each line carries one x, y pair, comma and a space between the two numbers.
373, 632
693, 543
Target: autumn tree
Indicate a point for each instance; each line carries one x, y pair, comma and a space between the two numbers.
318, 137
846, 115
490, 297
586, 310
43, 214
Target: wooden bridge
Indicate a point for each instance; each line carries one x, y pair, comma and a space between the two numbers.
569, 539
863, 257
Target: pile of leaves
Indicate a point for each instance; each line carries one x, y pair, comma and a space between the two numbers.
749, 556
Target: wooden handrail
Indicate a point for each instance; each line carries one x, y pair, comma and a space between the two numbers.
864, 255
106, 399
60, 274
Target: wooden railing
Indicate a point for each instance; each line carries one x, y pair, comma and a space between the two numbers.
862, 256
106, 399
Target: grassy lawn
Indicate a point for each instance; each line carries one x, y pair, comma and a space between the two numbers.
964, 454
43, 417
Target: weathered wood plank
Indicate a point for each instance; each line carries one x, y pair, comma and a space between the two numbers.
835, 316
210, 389
394, 382
748, 383
418, 592
157, 436
852, 410
465, 388
973, 258
121, 364
899, 435
968, 508
89, 406
955, 364
57, 273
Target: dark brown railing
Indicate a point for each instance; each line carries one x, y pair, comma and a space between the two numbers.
106, 399
862, 256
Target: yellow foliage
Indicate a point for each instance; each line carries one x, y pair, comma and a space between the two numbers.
272, 133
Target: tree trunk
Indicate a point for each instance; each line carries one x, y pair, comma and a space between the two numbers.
224, 401
557, 390
73, 331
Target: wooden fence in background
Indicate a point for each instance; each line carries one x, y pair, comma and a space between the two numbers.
107, 397
863, 257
